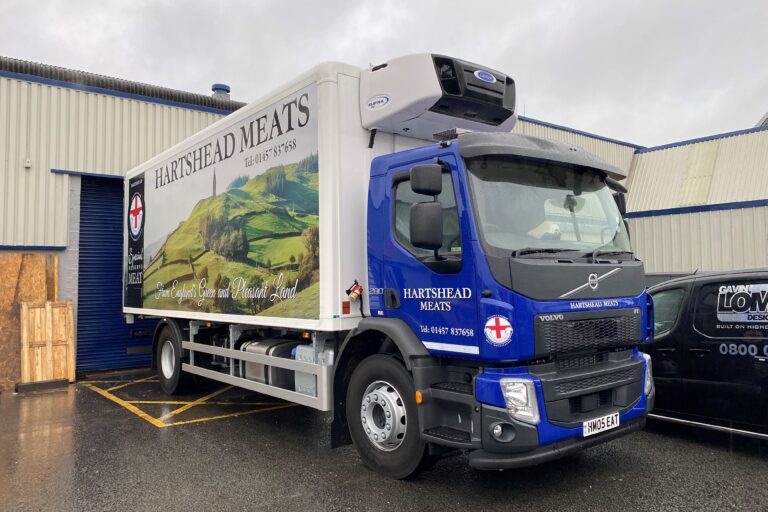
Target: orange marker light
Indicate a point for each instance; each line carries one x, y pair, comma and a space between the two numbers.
306, 335
419, 398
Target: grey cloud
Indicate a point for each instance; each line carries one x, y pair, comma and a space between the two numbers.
647, 72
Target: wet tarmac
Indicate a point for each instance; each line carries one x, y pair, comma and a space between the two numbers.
117, 443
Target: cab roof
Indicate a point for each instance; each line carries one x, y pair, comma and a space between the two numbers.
478, 144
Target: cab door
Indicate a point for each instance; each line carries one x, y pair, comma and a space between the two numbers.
728, 354
668, 349
434, 295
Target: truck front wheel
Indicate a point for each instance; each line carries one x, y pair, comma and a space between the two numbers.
382, 417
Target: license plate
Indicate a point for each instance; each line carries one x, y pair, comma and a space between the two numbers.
601, 424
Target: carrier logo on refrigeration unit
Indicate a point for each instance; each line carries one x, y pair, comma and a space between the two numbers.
485, 76
136, 215
378, 102
743, 303
498, 331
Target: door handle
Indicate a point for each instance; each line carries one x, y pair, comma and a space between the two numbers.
761, 360
391, 298
699, 351
666, 350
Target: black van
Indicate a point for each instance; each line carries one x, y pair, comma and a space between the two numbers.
710, 356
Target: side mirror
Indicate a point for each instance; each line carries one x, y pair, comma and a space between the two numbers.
621, 202
427, 179
615, 185
427, 225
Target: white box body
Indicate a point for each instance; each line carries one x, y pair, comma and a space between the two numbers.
171, 264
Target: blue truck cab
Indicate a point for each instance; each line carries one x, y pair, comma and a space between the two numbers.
507, 259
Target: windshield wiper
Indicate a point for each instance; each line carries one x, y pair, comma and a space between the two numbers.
539, 250
600, 252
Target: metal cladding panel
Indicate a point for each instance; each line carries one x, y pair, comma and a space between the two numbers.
741, 170
613, 153
720, 170
62, 128
712, 240
104, 340
657, 179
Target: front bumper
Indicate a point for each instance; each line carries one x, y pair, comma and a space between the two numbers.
481, 459
465, 417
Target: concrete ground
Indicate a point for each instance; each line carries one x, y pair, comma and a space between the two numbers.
117, 443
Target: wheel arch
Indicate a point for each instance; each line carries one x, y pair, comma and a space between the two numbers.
372, 336
178, 331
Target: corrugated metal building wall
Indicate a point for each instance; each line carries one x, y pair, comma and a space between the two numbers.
56, 126
60, 127
701, 204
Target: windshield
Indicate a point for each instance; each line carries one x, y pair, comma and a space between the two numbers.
524, 206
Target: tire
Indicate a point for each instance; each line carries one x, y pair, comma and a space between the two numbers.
377, 383
168, 363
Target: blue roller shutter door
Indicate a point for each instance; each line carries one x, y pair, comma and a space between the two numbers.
104, 340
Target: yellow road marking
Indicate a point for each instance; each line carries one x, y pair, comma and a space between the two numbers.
231, 415
89, 381
135, 410
102, 381
157, 422
192, 404
163, 402
113, 388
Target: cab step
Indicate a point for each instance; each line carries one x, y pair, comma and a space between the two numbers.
449, 434
463, 388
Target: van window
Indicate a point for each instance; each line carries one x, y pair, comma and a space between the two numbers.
732, 310
666, 309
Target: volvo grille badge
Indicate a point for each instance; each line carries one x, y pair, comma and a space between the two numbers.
593, 281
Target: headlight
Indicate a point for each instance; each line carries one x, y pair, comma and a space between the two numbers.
648, 374
520, 396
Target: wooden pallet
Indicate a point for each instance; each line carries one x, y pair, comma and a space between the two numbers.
47, 342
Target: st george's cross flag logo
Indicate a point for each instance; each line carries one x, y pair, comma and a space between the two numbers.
136, 215
498, 331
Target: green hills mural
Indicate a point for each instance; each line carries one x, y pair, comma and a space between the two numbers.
252, 250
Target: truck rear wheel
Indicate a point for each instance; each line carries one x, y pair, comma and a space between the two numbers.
382, 417
168, 363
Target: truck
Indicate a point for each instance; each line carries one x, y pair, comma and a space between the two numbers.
378, 244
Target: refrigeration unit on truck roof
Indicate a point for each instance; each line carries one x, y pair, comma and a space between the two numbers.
476, 294
424, 95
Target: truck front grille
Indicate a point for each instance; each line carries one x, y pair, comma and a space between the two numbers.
574, 334
600, 381
579, 361
580, 391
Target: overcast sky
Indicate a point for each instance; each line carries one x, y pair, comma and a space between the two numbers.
647, 72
